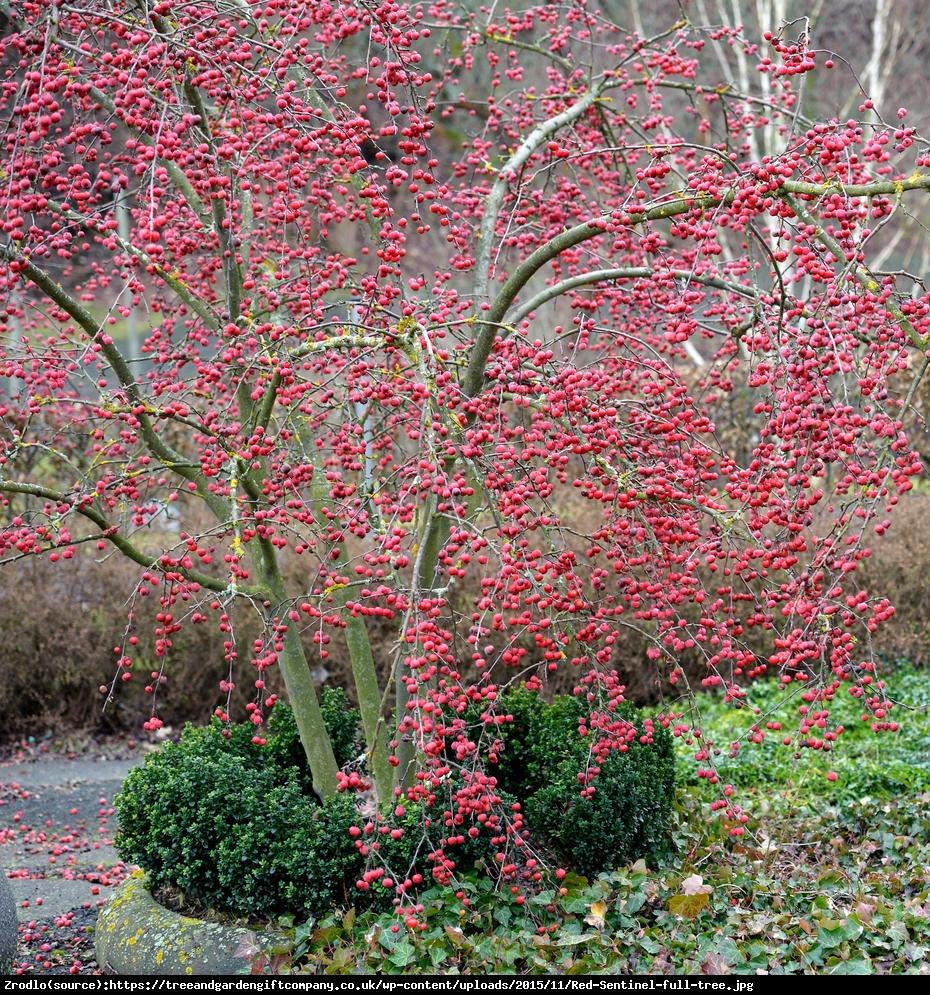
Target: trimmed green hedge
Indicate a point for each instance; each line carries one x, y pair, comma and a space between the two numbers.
236, 827
628, 813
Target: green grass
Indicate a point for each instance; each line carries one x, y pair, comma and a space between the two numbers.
828, 877
865, 763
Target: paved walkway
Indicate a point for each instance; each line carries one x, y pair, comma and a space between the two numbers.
56, 833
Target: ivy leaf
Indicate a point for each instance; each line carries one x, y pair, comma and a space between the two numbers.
694, 885
570, 940
456, 935
689, 906
596, 917
835, 932
342, 957
402, 955
715, 964
854, 966
247, 946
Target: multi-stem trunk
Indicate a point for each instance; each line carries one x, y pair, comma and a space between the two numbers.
298, 680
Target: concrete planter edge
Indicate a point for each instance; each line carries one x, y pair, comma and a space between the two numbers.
9, 926
137, 936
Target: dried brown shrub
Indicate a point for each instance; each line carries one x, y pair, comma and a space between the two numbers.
899, 569
60, 626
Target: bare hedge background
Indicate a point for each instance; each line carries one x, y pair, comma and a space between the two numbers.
62, 623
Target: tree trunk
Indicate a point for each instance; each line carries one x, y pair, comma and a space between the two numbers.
295, 670
370, 705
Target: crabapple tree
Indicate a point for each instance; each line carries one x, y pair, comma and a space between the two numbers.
424, 315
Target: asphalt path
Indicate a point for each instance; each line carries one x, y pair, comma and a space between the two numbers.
57, 824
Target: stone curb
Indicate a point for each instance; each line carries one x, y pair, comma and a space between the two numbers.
9, 929
137, 936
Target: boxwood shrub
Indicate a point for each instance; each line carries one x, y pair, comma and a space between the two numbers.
235, 825
628, 813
